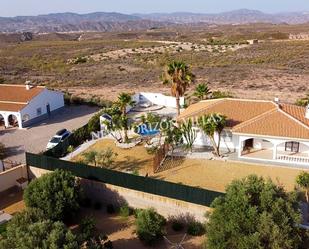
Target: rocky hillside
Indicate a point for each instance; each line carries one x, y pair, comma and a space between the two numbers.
105, 22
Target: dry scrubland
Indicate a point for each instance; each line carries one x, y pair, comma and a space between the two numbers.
277, 67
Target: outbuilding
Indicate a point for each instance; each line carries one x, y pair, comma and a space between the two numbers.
24, 105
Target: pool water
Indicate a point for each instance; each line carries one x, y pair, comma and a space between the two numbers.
145, 130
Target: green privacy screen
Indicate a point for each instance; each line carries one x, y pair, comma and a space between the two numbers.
145, 184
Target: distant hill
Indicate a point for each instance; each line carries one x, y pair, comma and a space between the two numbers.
102, 21
71, 22
241, 16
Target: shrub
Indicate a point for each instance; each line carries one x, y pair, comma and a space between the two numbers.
196, 228
125, 211
110, 209
56, 194
30, 229
177, 225
87, 228
149, 226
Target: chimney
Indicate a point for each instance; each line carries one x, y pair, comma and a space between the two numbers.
28, 85
307, 112
277, 100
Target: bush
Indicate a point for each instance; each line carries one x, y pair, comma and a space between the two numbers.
149, 226
177, 225
125, 211
30, 229
196, 228
110, 209
87, 228
56, 194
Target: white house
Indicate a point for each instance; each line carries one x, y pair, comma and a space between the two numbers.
258, 130
23, 105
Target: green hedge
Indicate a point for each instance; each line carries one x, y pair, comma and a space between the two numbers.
152, 186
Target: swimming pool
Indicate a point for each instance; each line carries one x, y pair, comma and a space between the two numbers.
146, 130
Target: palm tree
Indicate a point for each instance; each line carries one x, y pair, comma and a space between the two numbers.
125, 100
211, 125
202, 91
179, 76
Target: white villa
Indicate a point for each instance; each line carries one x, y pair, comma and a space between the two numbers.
258, 130
24, 105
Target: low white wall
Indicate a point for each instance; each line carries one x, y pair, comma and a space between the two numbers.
158, 99
8, 178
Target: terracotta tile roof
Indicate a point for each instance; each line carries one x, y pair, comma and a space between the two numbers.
11, 107
297, 112
276, 124
263, 118
237, 111
18, 93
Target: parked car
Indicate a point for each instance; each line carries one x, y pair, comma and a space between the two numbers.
59, 137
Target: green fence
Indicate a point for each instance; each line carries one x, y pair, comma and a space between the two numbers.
152, 186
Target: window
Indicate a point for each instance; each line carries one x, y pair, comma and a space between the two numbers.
39, 111
292, 146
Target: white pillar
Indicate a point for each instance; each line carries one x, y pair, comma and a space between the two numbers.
275, 152
20, 122
240, 147
6, 120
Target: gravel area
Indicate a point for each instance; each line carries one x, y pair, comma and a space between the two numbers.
35, 138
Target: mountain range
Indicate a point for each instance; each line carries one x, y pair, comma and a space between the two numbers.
103, 21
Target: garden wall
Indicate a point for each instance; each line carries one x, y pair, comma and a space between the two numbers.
110, 186
111, 194
8, 178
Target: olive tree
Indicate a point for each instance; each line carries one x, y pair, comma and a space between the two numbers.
56, 194
254, 213
30, 229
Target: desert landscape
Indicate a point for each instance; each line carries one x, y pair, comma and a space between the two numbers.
105, 63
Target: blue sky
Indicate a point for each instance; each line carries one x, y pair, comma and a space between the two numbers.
35, 7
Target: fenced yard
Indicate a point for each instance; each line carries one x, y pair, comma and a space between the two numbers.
209, 174
127, 160
216, 175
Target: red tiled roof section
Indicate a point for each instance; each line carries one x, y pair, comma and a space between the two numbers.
18, 93
237, 111
275, 124
297, 112
11, 107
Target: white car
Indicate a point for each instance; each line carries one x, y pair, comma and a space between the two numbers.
59, 137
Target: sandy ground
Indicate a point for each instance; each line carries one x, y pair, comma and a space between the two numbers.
136, 158
11, 201
35, 138
214, 175
121, 232
169, 46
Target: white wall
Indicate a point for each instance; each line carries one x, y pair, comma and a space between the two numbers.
54, 98
158, 99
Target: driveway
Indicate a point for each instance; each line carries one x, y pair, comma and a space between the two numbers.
35, 138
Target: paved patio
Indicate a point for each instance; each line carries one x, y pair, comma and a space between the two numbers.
36, 137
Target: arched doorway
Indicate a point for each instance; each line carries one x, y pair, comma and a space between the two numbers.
2, 122
13, 121
258, 148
